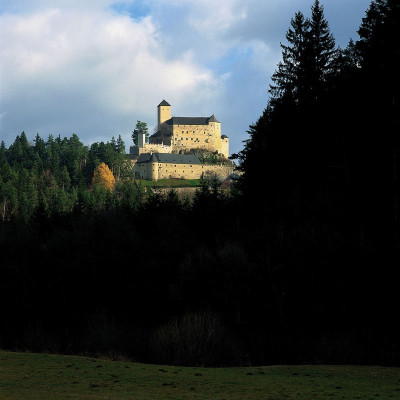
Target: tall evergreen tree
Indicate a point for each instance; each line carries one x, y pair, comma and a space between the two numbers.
378, 112
288, 139
289, 79
308, 60
323, 51
8, 200
3, 154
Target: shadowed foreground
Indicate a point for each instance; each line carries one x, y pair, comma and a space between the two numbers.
43, 376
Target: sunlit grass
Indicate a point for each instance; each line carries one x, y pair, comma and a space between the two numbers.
43, 376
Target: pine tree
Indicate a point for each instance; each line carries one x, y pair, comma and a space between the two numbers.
3, 153
379, 108
8, 200
308, 60
288, 145
103, 177
120, 145
323, 49
379, 47
66, 180
289, 79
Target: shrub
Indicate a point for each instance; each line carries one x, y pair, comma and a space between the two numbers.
197, 339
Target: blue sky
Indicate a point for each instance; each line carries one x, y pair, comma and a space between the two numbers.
95, 67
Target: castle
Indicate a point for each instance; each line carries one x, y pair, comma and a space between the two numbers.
171, 151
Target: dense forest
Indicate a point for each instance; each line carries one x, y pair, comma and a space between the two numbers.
295, 264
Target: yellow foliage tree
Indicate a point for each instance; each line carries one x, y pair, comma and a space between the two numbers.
103, 177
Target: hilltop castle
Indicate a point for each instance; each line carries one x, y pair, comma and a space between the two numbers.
183, 135
170, 152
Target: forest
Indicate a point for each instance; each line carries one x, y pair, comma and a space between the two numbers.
300, 272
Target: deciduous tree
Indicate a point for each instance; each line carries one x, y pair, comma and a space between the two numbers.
103, 177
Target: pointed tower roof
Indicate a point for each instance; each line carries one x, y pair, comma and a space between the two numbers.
213, 119
164, 103
153, 158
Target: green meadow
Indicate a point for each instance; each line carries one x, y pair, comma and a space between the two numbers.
43, 376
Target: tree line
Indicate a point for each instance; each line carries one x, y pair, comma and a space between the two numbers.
327, 144
341, 140
301, 272
56, 175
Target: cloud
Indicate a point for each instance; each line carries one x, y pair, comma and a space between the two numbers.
65, 63
94, 67
29, 6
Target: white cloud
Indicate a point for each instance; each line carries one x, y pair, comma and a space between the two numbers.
80, 61
224, 15
28, 6
94, 67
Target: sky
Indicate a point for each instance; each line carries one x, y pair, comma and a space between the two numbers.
96, 67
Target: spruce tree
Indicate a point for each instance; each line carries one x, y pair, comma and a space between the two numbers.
289, 78
289, 143
3, 153
379, 110
322, 46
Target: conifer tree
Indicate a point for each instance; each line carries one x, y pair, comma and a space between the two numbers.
66, 180
103, 177
3, 153
308, 59
287, 146
288, 79
323, 52
379, 109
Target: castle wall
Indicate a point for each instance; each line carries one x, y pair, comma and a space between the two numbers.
150, 148
141, 170
193, 137
155, 171
204, 137
222, 171
179, 171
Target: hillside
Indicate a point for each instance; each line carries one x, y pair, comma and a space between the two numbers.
43, 376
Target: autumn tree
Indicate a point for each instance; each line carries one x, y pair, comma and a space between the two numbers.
103, 177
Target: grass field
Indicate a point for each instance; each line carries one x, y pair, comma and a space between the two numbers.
42, 376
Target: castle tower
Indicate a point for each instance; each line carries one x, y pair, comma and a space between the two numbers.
141, 139
164, 112
215, 127
153, 164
